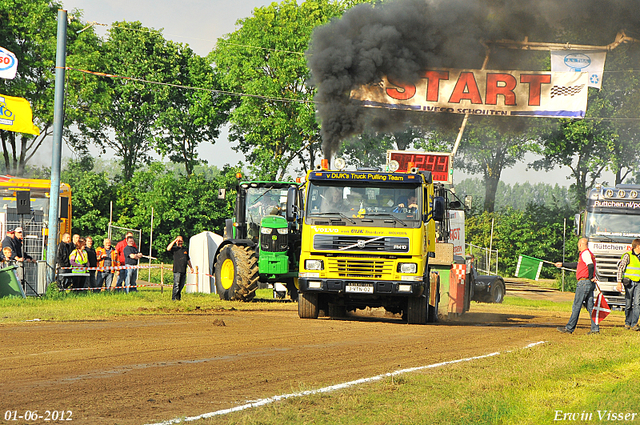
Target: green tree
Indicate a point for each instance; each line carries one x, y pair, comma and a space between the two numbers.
584, 146
274, 123
134, 117
91, 194
29, 30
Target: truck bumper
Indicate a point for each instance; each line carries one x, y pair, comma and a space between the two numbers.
362, 287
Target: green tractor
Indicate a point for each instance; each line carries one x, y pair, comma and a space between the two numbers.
260, 245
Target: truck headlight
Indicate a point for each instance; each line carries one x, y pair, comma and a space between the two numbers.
407, 268
266, 230
283, 231
313, 265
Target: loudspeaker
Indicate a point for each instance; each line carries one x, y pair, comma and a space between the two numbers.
64, 207
23, 201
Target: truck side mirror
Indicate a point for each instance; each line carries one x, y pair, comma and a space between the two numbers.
292, 204
222, 193
576, 221
438, 208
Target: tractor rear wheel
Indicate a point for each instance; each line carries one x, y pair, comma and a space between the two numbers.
236, 273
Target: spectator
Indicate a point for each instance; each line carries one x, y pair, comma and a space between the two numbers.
62, 260
93, 263
78, 258
132, 256
20, 255
629, 277
107, 257
122, 274
180, 262
8, 241
7, 257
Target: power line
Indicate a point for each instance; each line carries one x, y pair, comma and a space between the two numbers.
141, 80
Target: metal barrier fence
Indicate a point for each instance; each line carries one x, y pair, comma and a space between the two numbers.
486, 260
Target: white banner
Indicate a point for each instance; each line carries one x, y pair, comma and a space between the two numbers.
580, 61
8, 64
481, 92
456, 231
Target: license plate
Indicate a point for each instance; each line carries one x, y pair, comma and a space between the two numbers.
366, 288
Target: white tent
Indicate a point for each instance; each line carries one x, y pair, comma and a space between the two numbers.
202, 251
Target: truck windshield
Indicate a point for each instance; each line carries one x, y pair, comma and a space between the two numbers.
396, 205
612, 226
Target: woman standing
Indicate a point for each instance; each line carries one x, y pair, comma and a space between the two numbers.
79, 258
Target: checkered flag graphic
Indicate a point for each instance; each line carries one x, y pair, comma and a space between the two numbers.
566, 91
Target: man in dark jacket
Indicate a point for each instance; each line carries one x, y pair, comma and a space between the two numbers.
62, 259
93, 262
180, 262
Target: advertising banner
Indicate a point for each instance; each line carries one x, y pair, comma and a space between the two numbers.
483, 92
8, 64
456, 231
580, 61
15, 115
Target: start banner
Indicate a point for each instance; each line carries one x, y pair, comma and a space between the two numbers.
484, 92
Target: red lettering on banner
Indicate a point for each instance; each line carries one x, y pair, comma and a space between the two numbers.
535, 82
501, 84
403, 92
466, 88
433, 83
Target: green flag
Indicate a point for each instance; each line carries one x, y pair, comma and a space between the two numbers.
528, 267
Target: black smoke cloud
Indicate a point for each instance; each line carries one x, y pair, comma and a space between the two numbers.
403, 37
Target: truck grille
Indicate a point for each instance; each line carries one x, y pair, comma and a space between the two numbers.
359, 243
362, 268
607, 265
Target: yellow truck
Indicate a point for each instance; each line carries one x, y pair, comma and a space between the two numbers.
367, 237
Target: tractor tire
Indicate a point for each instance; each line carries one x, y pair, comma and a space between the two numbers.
236, 273
417, 309
497, 292
307, 305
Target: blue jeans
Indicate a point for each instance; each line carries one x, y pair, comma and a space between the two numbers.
584, 296
632, 304
132, 277
122, 275
178, 284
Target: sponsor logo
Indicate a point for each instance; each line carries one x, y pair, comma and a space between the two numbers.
577, 61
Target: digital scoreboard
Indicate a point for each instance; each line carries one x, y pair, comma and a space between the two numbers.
439, 163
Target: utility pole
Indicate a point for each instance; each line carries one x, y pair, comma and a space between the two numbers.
56, 158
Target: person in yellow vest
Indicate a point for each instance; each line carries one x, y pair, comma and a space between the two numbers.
629, 277
79, 258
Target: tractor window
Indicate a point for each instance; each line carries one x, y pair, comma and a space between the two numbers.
262, 202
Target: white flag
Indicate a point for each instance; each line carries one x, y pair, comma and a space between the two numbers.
8, 64
580, 61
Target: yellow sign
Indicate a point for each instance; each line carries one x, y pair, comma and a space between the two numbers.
15, 115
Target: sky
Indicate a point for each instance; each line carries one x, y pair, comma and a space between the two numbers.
199, 23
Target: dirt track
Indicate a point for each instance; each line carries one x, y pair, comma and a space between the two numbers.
152, 368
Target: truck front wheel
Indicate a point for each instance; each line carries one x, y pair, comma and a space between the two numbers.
307, 305
417, 308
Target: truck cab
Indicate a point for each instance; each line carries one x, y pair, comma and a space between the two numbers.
610, 222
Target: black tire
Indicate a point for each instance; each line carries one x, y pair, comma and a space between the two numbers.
337, 311
417, 308
307, 305
293, 291
497, 292
236, 273
432, 312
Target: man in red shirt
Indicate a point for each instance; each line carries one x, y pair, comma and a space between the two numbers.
120, 246
585, 274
